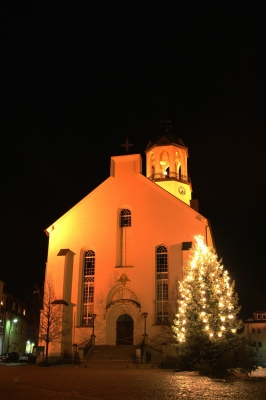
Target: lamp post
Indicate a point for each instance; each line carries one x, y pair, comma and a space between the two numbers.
93, 318
145, 314
93, 336
12, 322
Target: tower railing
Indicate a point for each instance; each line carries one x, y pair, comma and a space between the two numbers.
171, 175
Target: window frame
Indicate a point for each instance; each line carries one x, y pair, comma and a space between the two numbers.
162, 287
88, 291
125, 218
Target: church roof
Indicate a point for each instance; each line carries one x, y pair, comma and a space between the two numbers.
166, 139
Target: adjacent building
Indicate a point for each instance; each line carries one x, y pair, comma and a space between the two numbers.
2, 314
15, 334
255, 332
16, 325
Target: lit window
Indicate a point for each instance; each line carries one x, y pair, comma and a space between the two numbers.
24, 312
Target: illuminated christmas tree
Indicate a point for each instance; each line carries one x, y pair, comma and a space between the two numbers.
207, 304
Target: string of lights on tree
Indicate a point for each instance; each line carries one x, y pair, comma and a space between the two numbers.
207, 302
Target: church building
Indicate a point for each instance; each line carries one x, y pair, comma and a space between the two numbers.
115, 258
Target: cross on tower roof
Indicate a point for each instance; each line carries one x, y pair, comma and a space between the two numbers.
127, 145
166, 121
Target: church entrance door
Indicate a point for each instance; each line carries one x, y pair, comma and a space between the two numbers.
124, 330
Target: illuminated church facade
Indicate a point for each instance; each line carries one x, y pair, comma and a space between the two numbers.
116, 256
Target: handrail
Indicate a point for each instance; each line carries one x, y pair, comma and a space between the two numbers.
155, 345
86, 345
170, 175
83, 344
128, 340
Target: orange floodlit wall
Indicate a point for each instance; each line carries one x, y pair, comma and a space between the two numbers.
157, 218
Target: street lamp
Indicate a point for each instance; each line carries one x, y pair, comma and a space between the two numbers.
93, 318
145, 314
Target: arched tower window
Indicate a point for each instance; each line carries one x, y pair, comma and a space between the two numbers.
152, 164
177, 165
164, 161
88, 288
161, 285
125, 242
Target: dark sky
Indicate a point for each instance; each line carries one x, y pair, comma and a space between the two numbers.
77, 81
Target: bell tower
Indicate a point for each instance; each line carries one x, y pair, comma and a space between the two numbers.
166, 165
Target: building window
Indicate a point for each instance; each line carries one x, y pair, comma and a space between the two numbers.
258, 330
88, 288
162, 291
253, 330
253, 344
152, 165
259, 344
125, 218
258, 316
164, 162
13, 306
125, 238
161, 285
263, 316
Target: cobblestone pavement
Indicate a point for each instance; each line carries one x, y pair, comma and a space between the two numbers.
26, 382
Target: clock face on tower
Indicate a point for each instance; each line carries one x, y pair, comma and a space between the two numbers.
181, 190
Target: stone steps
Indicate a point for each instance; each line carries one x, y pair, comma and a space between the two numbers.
112, 354
115, 357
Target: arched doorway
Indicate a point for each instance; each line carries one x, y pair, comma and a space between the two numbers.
124, 330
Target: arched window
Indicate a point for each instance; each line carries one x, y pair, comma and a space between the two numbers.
177, 165
161, 285
164, 162
152, 165
125, 243
180, 173
125, 218
161, 259
88, 287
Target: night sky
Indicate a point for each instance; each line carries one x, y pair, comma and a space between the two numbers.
77, 81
